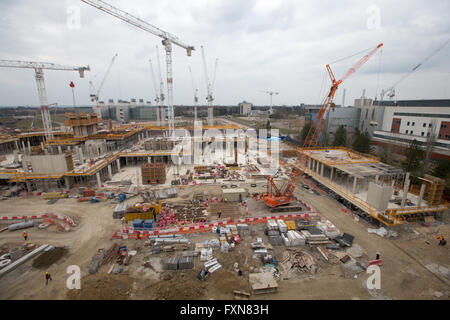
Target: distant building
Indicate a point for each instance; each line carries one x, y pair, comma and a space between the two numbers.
124, 111
407, 120
371, 116
245, 108
338, 116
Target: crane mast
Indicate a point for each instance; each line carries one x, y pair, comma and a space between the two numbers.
158, 123
96, 96
161, 91
271, 93
209, 88
391, 90
40, 84
167, 40
195, 95
312, 139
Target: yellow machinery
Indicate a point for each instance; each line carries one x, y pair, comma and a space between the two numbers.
144, 211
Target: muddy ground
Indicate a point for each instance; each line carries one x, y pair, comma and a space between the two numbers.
415, 267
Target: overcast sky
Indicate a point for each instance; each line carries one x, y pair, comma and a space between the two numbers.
261, 45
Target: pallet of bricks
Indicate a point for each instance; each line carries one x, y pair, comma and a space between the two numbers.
153, 173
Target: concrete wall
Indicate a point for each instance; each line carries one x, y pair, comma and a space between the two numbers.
379, 196
47, 163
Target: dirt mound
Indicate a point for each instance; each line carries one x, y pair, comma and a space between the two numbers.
48, 258
178, 285
103, 287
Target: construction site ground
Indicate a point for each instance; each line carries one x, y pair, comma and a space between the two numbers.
414, 266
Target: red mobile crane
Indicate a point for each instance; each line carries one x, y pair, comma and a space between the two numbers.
280, 196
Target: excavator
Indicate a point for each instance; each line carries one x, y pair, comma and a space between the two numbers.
276, 197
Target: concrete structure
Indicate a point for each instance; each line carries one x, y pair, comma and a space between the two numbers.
50, 163
367, 184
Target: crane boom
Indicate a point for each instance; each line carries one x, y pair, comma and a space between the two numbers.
195, 95
391, 90
105, 76
312, 139
167, 40
141, 24
40, 83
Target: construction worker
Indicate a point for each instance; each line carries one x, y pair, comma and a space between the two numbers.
219, 214
378, 256
47, 277
25, 236
442, 241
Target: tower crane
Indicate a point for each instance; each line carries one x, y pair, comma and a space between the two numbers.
95, 96
194, 88
167, 40
391, 90
271, 93
162, 114
39, 75
209, 88
158, 120
312, 139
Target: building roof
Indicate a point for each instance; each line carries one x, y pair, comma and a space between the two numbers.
415, 103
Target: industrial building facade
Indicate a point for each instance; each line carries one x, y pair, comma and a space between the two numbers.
426, 121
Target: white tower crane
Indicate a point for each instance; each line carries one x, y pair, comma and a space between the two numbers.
162, 114
391, 90
39, 70
158, 119
209, 88
271, 93
95, 96
168, 40
194, 88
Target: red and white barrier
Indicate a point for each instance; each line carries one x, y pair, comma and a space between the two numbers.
39, 216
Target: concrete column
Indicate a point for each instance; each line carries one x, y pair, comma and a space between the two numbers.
149, 159
118, 164
68, 148
392, 183
321, 169
45, 151
28, 185
80, 154
67, 182
422, 190
99, 181
59, 149
309, 163
17, 145
354, 185
29, 147
317, 166
42, 145
23, 147
110, 171
376, 179
405, 189
331, 175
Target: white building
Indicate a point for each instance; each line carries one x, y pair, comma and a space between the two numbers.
405, 121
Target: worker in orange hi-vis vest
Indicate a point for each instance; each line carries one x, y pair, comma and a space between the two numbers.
25, 236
